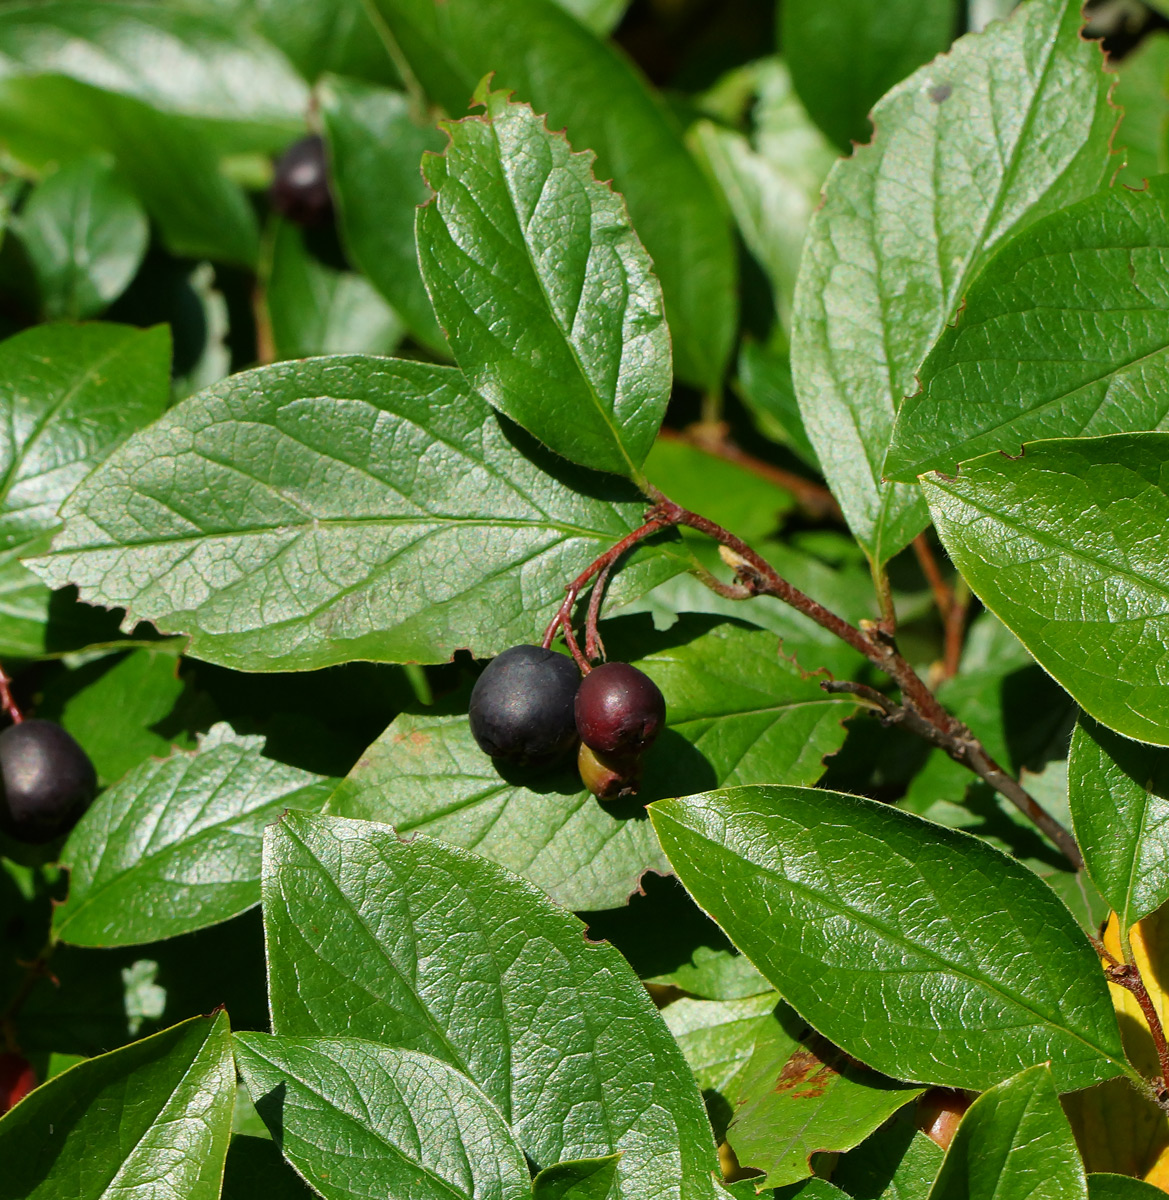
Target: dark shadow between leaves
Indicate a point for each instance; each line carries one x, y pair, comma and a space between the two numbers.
270, 1107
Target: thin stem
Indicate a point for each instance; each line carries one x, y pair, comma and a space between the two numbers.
594, 647
961, 745
884, 591
33, 973
956, 630
952, 605
815, 499
7, 703
1128, 976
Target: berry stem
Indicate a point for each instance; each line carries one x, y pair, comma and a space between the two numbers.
7, 703
919, 710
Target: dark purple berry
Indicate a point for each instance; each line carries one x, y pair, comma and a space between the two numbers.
619, 709
522, 705
48, 781
300, 189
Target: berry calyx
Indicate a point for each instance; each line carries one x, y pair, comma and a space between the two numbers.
608, 778
521, 707
16, 1080
619, 710
47, 781
300, 189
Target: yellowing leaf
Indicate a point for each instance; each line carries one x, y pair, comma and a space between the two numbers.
1118, 1129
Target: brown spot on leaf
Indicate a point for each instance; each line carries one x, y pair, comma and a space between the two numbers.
943, 91
805, 1076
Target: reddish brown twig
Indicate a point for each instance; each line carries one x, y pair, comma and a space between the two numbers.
7, 703
594, 647
1128, 976
815, 499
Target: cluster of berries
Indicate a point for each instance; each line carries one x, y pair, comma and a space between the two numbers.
531, 706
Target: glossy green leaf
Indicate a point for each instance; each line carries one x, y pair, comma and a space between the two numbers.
376, 144
1119, 793
159, 1109
85, 233
1012, 124
255, 1167
559, 67
718, 1037
1121, 1187
798, 1095
184, 63
585, 1179
737, 713
170, 163
855, 910
845, 56
426, 947
176, 845
1014, 1143
1142, 90
358, 1120
1065, 546
114, 716
317, 309
68, 395
896, 1163
310, 513
575, 348
1066, 332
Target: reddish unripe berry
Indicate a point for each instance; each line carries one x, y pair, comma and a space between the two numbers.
619, 709
16, 1080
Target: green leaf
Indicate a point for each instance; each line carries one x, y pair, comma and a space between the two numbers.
176, 845
559, 67
1066, 332
310, 513
69, 394
845, 56
1014, 1143
1063, 545
718, 1038
1119, 793
358, 1120
124, 1122
855, 910
169, 162
375, 145
737, 712
1142, 90
1121, 1187
585, 1179
896, 1163
85, 233
771, 181
225, 79
722, 491
715, 975
113, 716
317, 309
1012, 124
255, 1167
575, 348
766, 388
798, 1095
428, 948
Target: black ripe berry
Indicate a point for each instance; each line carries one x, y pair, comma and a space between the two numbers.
300, 189
522, 705
48, 781
619, 709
